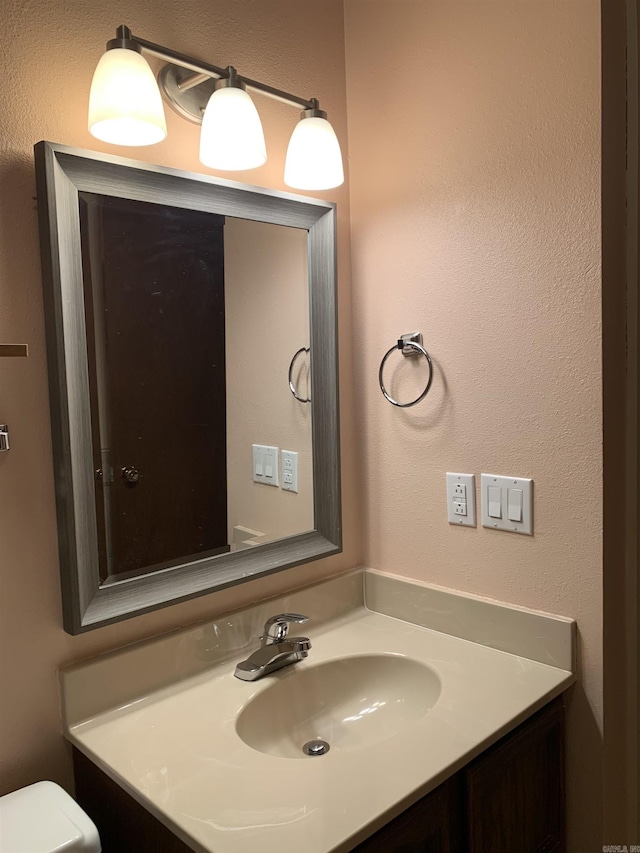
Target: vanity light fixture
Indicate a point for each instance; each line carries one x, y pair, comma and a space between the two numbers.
125, 108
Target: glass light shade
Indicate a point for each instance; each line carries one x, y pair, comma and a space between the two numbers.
232, 138
314, 161
125, 105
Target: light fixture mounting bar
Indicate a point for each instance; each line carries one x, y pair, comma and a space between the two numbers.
277, 94
204, 70
191, 82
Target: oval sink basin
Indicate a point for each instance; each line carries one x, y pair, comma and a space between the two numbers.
351, 703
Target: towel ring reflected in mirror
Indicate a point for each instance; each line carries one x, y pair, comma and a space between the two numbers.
291, 385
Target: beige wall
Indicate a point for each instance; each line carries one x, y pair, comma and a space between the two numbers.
49, 52
474, 140
267, 321
474, 144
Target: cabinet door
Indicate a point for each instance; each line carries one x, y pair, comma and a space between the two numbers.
123, 824
515, 791
433, 825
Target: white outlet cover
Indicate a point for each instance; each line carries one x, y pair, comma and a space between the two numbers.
465, 483
289, 470
525, 485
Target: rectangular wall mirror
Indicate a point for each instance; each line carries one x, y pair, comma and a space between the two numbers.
188, 320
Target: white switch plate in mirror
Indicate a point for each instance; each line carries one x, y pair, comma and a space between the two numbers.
265, 465
507, 503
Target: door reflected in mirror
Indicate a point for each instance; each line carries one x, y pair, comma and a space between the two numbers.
192, 320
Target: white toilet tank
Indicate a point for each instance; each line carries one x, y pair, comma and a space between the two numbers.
43, 818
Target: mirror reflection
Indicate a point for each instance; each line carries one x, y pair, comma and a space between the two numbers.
192, 320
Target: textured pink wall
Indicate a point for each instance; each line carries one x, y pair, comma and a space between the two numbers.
474, 138
267, 304
475, 151
49, 52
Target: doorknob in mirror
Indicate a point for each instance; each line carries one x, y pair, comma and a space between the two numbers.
130, 475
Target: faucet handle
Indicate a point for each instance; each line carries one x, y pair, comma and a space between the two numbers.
276, 628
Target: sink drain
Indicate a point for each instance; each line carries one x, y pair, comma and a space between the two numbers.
316, 747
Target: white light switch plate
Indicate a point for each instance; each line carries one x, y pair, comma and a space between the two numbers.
514, 493
265, 464
461, 499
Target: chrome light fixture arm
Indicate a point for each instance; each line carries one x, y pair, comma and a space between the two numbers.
203, 71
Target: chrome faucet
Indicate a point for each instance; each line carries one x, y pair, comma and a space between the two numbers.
277, 649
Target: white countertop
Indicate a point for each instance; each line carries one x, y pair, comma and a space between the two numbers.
176, 750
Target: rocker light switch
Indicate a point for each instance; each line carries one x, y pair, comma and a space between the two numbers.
495, 509
514, 504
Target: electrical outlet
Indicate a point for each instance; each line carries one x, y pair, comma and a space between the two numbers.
461, 499
289, 471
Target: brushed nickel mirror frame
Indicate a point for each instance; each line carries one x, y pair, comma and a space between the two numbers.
62, 172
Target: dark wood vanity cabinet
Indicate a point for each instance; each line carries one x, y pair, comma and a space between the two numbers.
515, 791
435, 824
510, 799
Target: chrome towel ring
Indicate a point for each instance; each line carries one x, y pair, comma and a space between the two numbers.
291, 385
409, 345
